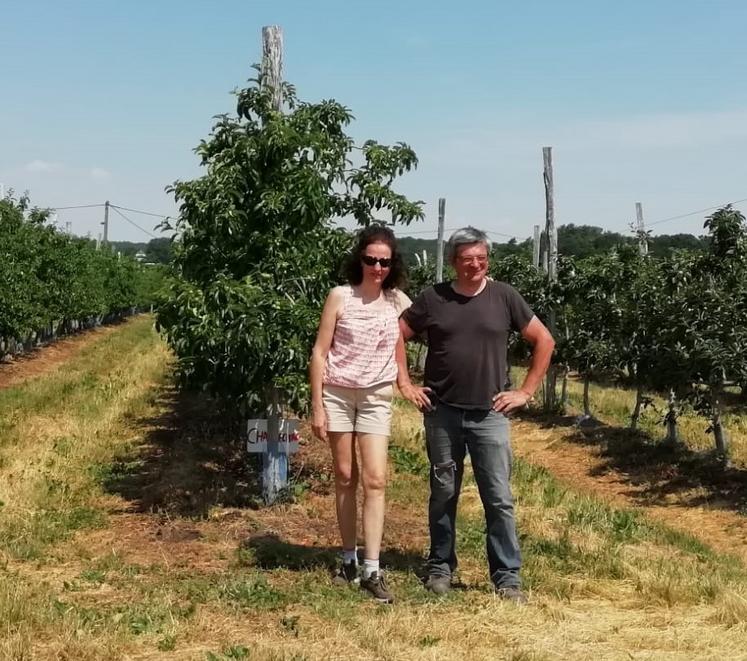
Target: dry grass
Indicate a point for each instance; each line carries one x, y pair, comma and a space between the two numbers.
222, 581
614, 405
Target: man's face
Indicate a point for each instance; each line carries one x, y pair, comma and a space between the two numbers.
471, 262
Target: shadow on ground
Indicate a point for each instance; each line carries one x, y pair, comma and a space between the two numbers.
192, 459
269, 551
657, 469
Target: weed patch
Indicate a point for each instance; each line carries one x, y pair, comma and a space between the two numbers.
408, 461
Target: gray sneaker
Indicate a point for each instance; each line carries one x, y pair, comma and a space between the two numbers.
346, 574
438, 583
512, 594
376, 586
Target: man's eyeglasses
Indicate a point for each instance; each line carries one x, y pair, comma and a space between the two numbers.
480, 259
368, 260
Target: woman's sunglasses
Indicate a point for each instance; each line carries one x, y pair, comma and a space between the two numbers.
368, 260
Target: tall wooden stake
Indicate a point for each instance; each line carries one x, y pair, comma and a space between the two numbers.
552, 265
536, 247
106, 222
275, 463
550, 230
440, 241
272, 62
640, 229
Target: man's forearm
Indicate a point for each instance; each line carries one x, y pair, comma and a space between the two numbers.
403, 374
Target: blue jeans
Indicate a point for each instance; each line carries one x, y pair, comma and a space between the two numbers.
448, 432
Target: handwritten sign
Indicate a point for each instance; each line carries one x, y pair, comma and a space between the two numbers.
256, 436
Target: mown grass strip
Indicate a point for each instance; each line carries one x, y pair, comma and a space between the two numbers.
604, 580
56, 427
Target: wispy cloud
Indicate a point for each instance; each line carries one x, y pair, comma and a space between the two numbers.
41, 166
100, 174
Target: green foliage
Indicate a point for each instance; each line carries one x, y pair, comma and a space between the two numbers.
407, 461
675, 322
258, 253
52, 281
577, 241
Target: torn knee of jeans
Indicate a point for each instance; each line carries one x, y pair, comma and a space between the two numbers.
445, 472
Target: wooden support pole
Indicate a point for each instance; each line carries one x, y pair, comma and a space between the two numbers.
272, 63
275, 463
551, 235
536, 247
440, 241
550, 230
640, 229
106, 222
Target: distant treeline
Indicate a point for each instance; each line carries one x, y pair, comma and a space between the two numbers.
157, 251
52, 284
573, 240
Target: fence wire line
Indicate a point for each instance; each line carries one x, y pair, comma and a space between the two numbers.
652, 223
133, 223
79, 206
144, 213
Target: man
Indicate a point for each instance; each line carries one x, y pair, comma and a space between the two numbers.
467, 323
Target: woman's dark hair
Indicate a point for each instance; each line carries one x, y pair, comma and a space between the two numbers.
376, 234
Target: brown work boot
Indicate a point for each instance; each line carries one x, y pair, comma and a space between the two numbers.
438, 583
376, 586
512, 594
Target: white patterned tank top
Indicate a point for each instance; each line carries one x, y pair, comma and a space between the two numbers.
364, 341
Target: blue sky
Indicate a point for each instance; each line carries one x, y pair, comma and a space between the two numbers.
642, 101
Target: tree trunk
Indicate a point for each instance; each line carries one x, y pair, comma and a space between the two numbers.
550, 381
671, 420
719, 433
587, 408
564, 391
637, 410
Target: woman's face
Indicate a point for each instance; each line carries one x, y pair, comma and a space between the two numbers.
375, 271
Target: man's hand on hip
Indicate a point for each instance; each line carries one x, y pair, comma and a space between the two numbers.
510, 400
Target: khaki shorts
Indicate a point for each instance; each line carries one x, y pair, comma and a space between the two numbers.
362, 410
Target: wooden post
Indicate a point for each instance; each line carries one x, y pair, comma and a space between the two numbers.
552, 266
550, 229
272, 62
536, 247
106, 222
640, 229
440, 241
275, 463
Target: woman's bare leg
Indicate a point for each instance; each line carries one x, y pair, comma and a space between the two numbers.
345, 464
373, 449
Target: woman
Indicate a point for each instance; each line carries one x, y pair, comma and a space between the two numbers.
353, 365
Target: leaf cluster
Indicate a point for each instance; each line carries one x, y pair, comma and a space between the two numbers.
257, 248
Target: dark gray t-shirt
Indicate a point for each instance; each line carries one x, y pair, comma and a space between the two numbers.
467, 340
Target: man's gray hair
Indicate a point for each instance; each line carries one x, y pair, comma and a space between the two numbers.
463, 237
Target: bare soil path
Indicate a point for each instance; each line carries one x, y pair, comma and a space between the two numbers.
48, 357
